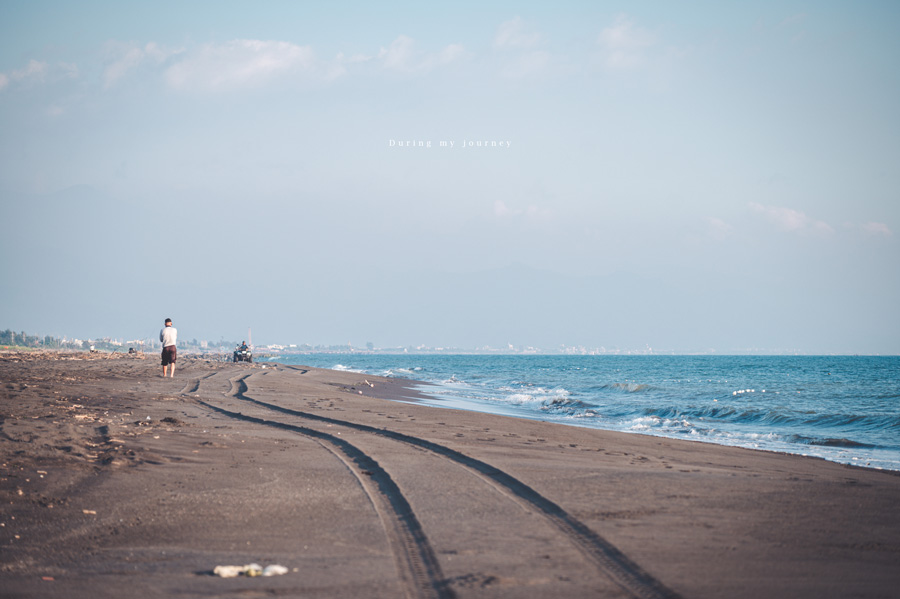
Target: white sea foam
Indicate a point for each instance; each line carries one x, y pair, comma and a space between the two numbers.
520, 398
726, 400
536, 396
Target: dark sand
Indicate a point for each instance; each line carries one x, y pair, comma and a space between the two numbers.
115, 482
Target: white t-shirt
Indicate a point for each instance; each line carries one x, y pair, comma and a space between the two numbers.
167, 336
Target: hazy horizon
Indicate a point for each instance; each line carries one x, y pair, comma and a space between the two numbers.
698, 177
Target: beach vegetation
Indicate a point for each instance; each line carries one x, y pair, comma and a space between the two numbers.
21, 341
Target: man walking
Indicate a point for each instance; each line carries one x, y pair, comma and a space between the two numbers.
167, 337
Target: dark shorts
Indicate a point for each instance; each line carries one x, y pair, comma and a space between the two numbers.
168, 355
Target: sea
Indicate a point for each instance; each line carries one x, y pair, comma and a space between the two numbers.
840, 408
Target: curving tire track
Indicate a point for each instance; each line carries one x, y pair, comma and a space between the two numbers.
417, 564
193, 385
618, 567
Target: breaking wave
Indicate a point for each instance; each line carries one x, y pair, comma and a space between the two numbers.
841, 408
627, 387
776, 416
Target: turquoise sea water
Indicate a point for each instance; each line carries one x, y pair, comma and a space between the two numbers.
845, 408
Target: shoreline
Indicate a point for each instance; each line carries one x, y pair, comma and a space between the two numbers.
407, 390
867, 448
113, 476
434, 402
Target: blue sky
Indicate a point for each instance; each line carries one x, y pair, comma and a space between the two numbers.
692, 176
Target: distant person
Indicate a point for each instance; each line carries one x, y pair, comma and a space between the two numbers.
244, 346
167, 337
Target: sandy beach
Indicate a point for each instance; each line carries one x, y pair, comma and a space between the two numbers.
117, 482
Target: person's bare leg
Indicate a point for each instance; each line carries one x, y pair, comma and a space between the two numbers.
172, 370
164, 372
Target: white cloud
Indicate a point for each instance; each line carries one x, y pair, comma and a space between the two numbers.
34, 70
237, 64
624, 44
529, 63
451, 53
822, 227
518, 56
514, 34
402, 56
718, 228
399, 55
533, 213
881, 229
785, 219
37, 71
790, 220
338, 66
69, 69
132, 56
117, 70
500, 209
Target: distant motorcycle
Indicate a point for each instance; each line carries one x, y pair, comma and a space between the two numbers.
243, 354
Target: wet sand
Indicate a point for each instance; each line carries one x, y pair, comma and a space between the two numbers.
116, 482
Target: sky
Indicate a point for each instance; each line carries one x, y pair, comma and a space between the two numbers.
691, 177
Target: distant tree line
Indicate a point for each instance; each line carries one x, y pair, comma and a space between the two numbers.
22, 339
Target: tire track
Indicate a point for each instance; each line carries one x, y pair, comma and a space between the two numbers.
417, 565
193, 385
611, 562
299, 369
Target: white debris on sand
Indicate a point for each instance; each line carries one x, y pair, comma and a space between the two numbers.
250, 570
